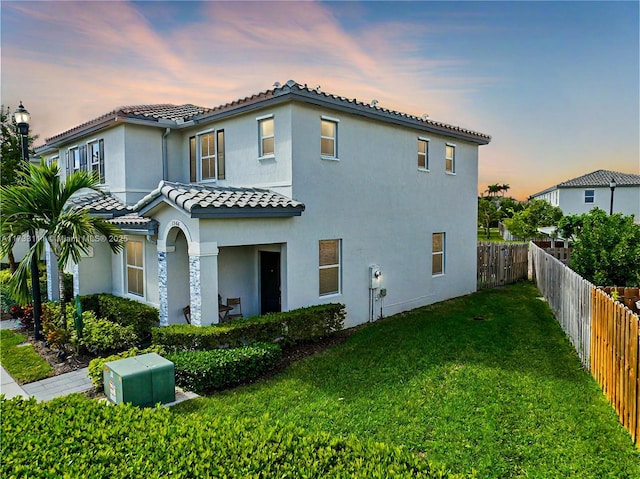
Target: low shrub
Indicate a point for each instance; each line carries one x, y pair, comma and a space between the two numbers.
201, 371
97, 365
78, 437
124, 312
290, 327
100, 336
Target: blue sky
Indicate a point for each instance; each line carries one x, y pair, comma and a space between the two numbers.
556, 84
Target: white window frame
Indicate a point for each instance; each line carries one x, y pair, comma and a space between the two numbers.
54, 159
214, 157
261, 137
451, 171
73, 166
127, 265
439, 253
337, 265
90, 160
335, 122
592, 196
426, 154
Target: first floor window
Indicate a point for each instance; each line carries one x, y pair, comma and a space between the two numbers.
437, 253
423, 154
450, 158
589, 196
135, 268
328, 138
329, 265
267, 138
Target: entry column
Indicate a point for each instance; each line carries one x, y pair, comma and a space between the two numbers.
203, 283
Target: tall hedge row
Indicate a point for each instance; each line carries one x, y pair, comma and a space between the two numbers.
290, 327
78, 437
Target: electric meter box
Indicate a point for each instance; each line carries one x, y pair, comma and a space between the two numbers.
143, 380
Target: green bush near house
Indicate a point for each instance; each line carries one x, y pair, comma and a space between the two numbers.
97, 365
286, 328
101, 336
202, 371
125, 312
77, 437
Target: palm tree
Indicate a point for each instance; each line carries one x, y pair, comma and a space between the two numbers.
504, 188
40, 202
493, 190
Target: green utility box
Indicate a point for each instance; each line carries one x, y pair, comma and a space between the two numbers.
143, 380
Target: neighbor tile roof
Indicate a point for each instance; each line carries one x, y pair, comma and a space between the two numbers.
595, 179
203, 201
602, 178
302, 92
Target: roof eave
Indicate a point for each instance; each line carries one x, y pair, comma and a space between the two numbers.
236, 213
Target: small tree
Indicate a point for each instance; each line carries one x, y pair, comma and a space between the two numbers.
488, 213
40, 202
606, 250
536, 214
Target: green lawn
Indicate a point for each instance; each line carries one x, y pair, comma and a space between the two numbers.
503, 397
494, 235
21, 361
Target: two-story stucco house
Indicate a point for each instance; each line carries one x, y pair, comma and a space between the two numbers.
287, 198
580, 195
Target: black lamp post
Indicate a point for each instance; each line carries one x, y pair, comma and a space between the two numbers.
22, 118
612, 185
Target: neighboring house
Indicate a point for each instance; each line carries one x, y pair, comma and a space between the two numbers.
288, 198
579, 195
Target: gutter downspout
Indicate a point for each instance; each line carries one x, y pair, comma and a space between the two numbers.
165, 165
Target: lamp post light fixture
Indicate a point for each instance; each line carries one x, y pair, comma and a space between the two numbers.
22, 118
612, 185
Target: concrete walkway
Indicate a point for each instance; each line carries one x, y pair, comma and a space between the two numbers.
60, 385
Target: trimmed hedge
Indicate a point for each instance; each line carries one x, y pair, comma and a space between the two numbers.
202, 371
290, 327
101, 336
78, 437
97, 365
125, 312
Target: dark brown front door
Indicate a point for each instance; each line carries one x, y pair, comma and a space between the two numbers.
269, 282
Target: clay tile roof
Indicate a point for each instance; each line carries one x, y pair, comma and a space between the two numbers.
99, 203
216, 202
132, 219
602, 178
162, 111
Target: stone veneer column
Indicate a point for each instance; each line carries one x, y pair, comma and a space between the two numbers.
53, 289
162, 288
203, 283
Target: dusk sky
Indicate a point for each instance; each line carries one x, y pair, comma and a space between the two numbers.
556, 84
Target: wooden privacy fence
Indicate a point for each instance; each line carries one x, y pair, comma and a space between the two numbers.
614, 361
568, 295
501, 263
604, 332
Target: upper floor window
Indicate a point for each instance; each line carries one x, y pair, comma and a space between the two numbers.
329, 138
96, 158
423, 154
437, 253
329, 266
267, 138
210, 161
450, 158
589, 196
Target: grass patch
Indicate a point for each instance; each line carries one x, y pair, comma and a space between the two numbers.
503, 397
22, 362
493, 236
